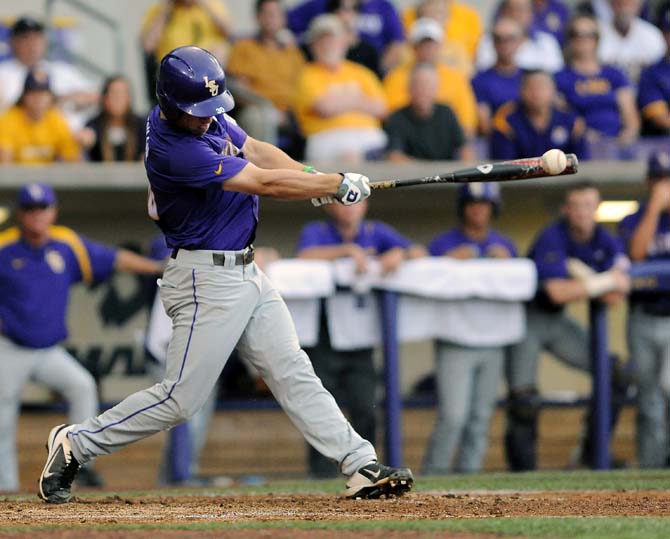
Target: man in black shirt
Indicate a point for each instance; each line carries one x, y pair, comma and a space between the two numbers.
425, 129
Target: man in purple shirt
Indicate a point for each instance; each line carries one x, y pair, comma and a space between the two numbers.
534, 124
350, 375
205, 175
467, 376
646, 235
576, 259
39, 262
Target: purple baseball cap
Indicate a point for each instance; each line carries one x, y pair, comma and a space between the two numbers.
36, 194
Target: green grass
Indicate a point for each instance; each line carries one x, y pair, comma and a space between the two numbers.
531, 528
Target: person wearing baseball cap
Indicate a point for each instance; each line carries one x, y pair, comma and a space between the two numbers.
29, 47
653, 95
646, 235
34, 131
39, 262
426, 37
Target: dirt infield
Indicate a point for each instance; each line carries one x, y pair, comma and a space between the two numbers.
175, 510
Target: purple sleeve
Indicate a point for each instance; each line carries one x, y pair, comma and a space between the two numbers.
312, 235
626, 229
443, 243
393, 30
579, 146
618, 78
481, 89
199, 165
387, 238
549, 257
237, 135
102, 259
648, 90
159, 249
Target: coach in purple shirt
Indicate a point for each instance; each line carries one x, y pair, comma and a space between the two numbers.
39, 262
350, 375
467, 376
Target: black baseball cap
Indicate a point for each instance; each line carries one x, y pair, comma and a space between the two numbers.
24, 25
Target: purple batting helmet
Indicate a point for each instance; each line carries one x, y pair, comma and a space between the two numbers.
191, 80
479, 192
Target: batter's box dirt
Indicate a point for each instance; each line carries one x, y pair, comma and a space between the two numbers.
174, 510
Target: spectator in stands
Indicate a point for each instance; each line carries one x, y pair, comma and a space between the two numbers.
467, 376
539, 50
534, 124
264, 70
551, 16
34, 131
499, 84
116, 133
359, 51
454, 52
461, 23
425, 129
169, 24
378, 24
629, 41
350, 375
75, 95
39, 262
339, 104
653, 97
646, 235
454, 89
601, 94
576, 259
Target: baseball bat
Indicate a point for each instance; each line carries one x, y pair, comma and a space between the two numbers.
517, 169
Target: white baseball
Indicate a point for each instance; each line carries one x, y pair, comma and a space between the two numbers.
554, 161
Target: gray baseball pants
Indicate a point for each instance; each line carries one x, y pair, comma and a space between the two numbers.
213, 308
467, 388
649, 344
52, 367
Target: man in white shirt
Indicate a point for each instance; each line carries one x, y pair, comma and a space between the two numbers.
29, 47
539, 50
628, 41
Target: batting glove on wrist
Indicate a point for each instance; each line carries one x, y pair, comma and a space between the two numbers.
353, 189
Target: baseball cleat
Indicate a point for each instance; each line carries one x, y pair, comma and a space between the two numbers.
375, 480
60, 469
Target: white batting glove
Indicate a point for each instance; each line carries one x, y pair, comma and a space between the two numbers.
353, 189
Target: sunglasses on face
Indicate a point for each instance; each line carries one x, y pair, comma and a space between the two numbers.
35, 207
500, 38
574, 34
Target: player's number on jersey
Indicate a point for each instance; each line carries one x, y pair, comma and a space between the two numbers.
151, 205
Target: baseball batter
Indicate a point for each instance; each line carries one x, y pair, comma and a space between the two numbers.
205, 174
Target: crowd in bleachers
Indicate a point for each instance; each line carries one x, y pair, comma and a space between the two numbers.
360, 79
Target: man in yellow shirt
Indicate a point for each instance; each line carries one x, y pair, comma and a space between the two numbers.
339, 104
34, 131
454, 88
263, 72
169, 24
461, 23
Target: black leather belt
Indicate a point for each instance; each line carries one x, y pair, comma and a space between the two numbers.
219, 259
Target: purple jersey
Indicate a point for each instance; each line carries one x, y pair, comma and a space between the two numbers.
515, 137
594, 97
553, 246
378, 22
659, 249
654, 90
552, 19
455, 237
35, 283
372, 234
495, 88
186, 174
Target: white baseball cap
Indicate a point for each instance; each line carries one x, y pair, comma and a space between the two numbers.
323, 25
426, 28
